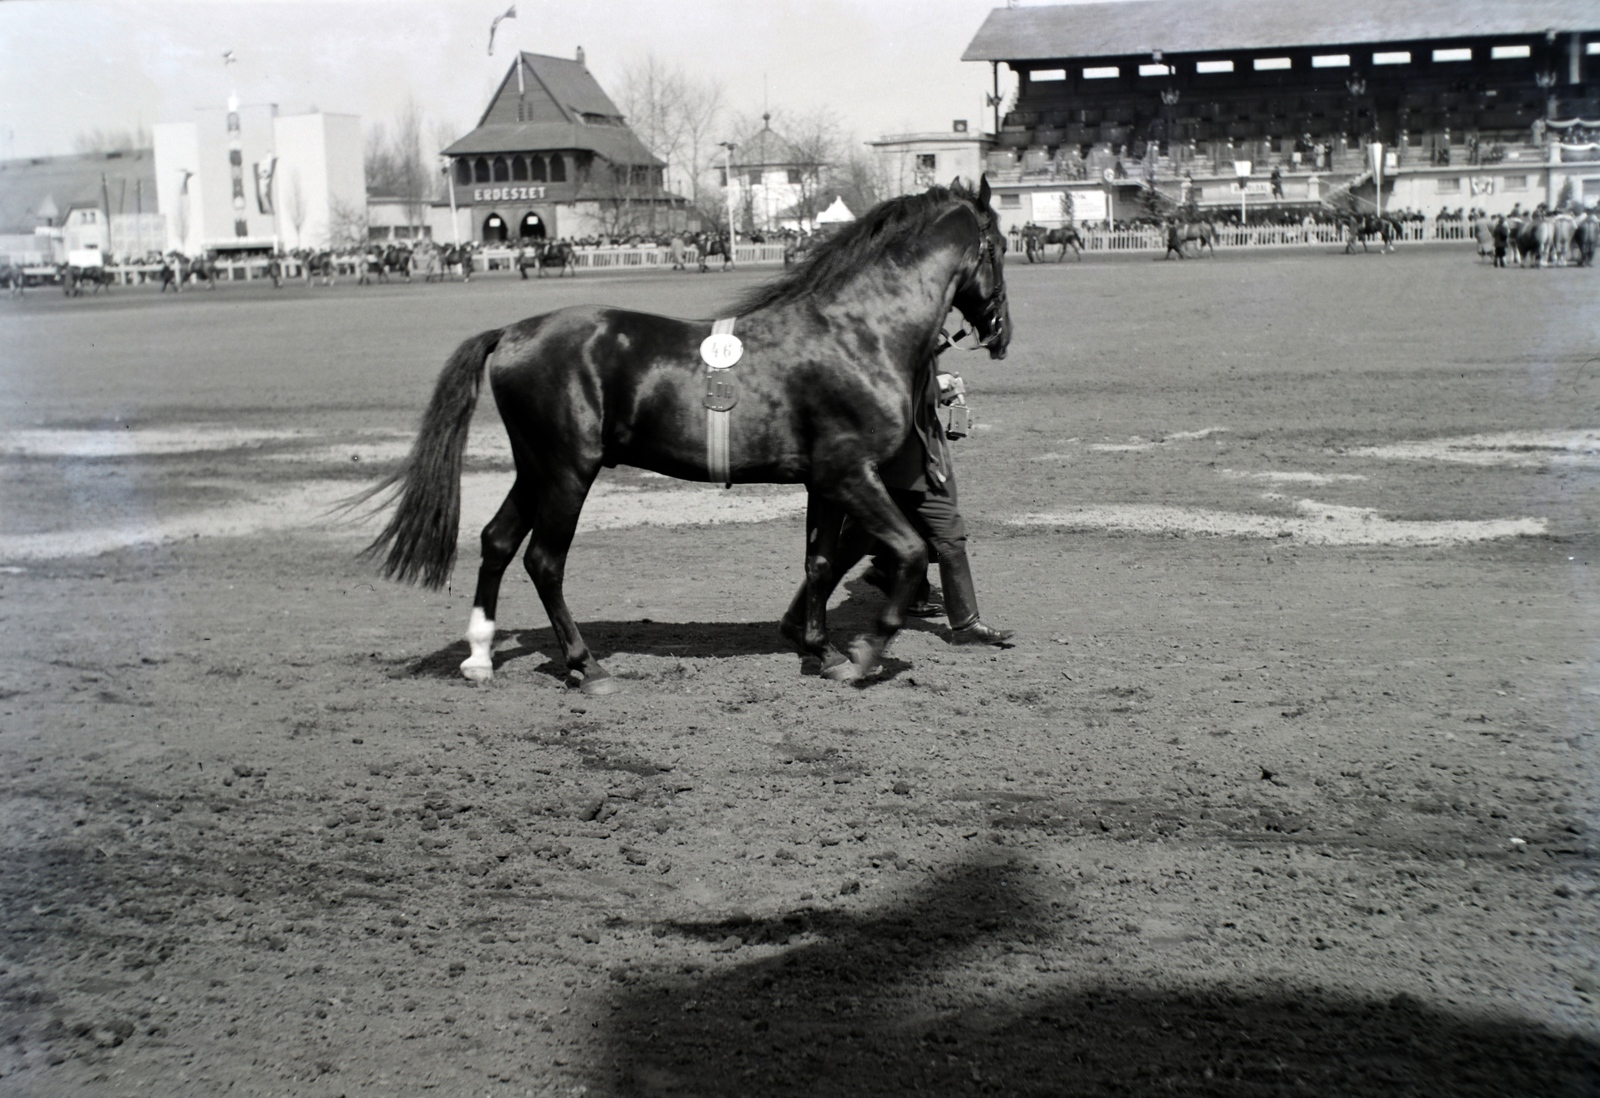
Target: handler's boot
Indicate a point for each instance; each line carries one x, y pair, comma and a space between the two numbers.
962, 602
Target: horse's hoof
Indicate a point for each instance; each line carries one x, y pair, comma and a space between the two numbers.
842, 671
477, 672
599, 687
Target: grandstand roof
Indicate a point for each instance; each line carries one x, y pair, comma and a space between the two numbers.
31, 187
1200, 26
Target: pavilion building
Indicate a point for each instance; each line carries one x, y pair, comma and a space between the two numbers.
552, 157
1411, 103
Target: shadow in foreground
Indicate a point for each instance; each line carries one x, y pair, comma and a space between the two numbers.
684, 639
884, 1002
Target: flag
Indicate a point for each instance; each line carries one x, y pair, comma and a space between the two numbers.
264, 172
509, 13
991, 100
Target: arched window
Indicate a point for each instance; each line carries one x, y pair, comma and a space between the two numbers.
532, 227
463, 172
519, 169
480, 170
558, 168
494, 229
502, 170
536, 169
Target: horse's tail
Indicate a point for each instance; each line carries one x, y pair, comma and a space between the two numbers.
420, 540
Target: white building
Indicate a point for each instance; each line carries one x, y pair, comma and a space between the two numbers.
773, 184
248, 179
910, 163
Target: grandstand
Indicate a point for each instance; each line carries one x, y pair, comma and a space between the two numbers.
1466, 103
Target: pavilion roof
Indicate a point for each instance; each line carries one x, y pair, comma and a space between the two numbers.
617, 144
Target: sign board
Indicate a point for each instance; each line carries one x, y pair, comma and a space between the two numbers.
1089, 205
1241, 168
1252, 187
507, 194
85, 257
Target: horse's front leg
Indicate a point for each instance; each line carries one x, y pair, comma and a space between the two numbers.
805, 622
867, 501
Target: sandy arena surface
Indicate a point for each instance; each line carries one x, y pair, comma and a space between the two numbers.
1287, 788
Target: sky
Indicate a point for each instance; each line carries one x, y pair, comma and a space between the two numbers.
72, 66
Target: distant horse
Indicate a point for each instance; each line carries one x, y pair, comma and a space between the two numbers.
715, 245
559, 254
1038, 241
832, 353
1359, 227
73, 279
1584, 239
321, 265
275, 271
12, 279
1529, 238
428, 259
397, 258
1557, 248
1180, 234
200, 269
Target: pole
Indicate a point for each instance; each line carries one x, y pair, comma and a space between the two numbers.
455, 222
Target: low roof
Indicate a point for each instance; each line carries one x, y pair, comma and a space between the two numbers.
30, 186
1203, 26
615, 143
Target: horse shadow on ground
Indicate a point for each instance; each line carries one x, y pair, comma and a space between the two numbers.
875, 1002
684, 640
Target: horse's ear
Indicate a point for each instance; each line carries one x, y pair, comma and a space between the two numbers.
983, 191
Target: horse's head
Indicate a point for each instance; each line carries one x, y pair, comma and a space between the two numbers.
981, 291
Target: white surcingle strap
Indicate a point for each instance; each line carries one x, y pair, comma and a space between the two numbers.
718, 415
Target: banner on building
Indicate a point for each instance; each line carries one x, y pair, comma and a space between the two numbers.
264, 173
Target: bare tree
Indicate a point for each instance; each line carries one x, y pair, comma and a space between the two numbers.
817, 142
674, 114
347, 224
860, 179
413, 182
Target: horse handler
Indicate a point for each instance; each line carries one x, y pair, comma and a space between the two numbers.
921, 479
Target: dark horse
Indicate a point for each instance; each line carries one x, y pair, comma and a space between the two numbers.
715, 245
1360, 226
1181, 233
831, 352
559, 254
1037, 240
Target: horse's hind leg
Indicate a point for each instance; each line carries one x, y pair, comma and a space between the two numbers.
501, 539
866, 501
546, 559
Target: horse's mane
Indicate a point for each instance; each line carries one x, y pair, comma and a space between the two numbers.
836, 260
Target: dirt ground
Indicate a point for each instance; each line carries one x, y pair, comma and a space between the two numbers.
1288, 786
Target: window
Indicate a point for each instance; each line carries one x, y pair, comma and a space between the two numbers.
1462, 54
753, 178
558, 168
794, 177
1101, 72
1271, 64
1393, 57
1592, 49
519, 169
1516, 182
463, 172
1213, 66
1331, 61
1048, 74
1449, 186
536, 169
480, 170
1155, 70
502, 170
1509, 53
927, 162
1011, 202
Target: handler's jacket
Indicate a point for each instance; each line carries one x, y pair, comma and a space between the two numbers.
922, 464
